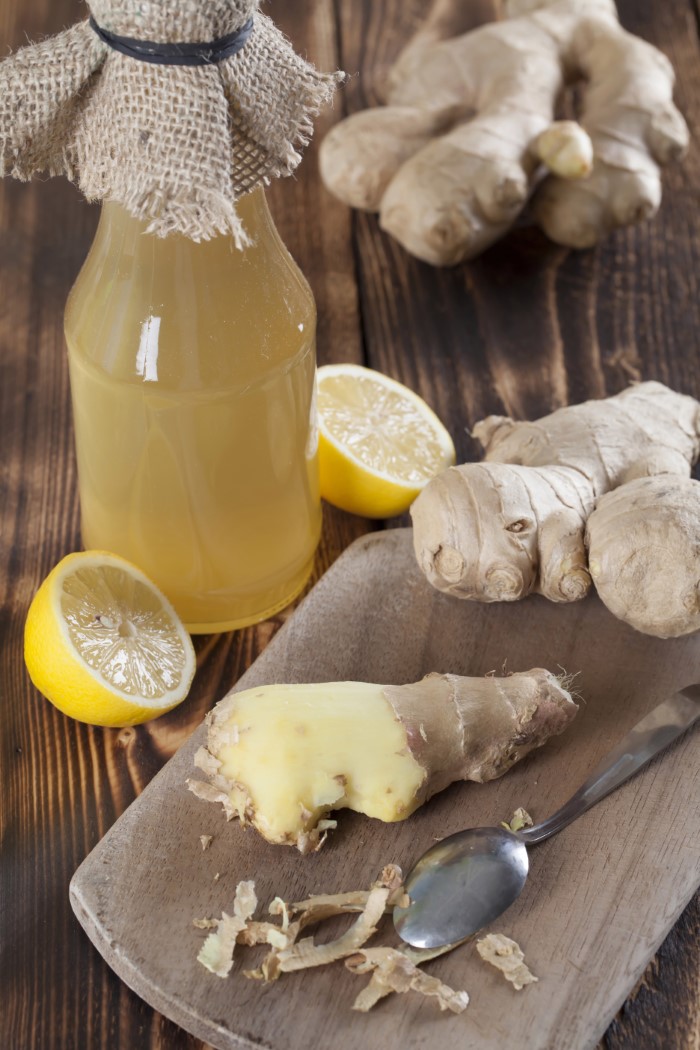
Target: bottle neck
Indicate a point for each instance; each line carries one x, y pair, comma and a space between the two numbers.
119, 230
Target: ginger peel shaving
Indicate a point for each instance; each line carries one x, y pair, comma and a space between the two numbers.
391, 969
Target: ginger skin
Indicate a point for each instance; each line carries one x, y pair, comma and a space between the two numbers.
282, 757
515, 524
644, 554
450, 163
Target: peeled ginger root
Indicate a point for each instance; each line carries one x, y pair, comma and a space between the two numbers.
282, 757
470, 129
644, 554
515, 524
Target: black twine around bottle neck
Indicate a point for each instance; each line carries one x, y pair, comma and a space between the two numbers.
179, 54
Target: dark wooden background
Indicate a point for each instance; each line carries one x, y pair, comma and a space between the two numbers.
524, 329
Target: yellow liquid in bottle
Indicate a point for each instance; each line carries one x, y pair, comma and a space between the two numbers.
192, 373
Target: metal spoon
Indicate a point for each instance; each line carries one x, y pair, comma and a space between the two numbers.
467, 880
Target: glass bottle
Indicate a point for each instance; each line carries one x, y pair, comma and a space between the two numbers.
192, 369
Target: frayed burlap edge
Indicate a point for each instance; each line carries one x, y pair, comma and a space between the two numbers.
175, 146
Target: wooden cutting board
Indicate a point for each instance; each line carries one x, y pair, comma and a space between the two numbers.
601, 895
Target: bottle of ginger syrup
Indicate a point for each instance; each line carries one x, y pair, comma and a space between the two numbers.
192, 377
190, 329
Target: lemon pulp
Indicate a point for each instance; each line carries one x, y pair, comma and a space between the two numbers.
380, 443
122, 631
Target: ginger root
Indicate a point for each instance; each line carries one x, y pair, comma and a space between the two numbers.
644, 554
515, 523
470, 129
281, 757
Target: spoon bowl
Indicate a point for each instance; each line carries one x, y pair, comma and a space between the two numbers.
481, 872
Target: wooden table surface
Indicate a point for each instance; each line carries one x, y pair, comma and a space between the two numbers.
524, 329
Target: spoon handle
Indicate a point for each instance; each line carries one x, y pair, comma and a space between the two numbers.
658, 729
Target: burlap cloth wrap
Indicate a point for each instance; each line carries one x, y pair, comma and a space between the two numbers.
175, 145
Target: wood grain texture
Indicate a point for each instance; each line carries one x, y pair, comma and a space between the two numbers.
599, 898
524, 328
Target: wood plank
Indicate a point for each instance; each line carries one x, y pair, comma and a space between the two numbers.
664, 1011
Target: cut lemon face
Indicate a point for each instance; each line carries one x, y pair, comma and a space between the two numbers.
379, 443
104, 645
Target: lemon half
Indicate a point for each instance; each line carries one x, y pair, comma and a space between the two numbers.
379, 442
104, 645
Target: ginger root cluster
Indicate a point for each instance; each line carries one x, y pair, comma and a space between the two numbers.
470, 131
598, 492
